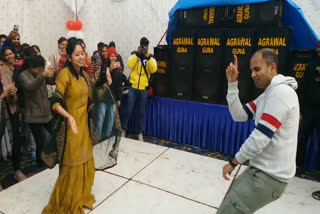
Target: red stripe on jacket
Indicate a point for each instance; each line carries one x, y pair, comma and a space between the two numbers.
271, 120
253, 106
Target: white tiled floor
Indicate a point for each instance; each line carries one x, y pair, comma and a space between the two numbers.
142, 199
193, 176
153, 179
134, 156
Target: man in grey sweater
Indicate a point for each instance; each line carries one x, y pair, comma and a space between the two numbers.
271, 147
37, 110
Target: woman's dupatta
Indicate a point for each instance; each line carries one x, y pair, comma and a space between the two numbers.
106, 150
54, 146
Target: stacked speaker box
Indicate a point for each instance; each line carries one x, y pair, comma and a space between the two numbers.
278, 39
298, 64
160, 80
240, 42
207, 16
249, 15
181, 64
254, 15
207, 85
239, 29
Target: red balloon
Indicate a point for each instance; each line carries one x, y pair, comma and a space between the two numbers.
70, 25
78, 25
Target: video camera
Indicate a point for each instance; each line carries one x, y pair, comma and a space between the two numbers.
143, 50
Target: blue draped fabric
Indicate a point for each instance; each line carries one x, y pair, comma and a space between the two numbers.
302, 34
202, 125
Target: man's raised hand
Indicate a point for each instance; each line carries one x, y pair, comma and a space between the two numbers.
232, 70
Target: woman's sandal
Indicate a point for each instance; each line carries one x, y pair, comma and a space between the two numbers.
316, 195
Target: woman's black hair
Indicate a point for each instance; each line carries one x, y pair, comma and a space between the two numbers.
36, 47
104, 61
35, 61
61, 39
81, 41
3, 53
25, 45
3, 36
72, 43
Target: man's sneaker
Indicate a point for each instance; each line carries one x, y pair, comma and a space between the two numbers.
140, 137
123, 133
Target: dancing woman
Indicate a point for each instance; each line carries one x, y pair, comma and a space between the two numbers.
72, 190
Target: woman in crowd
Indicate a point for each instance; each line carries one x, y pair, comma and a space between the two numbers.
105, 108
87, 65
13, 42
72, 190
103, 54
61, 52
6, 75
37, 114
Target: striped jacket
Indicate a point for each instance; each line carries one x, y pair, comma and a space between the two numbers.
272, 145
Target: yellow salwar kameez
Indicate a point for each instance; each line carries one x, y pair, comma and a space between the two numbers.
72, 190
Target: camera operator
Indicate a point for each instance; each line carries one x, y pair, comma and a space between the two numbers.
142, 65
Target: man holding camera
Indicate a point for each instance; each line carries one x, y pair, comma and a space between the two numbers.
142, 65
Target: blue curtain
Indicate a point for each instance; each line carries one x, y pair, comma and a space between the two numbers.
198, 124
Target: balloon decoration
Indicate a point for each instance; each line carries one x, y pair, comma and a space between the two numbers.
77, 34
75, 27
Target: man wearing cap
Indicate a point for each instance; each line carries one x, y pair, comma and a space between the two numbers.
142, 65
310, 110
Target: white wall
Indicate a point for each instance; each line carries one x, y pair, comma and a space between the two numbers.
42, 22
311, 11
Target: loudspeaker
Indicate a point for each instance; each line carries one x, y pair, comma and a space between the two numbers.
206, 16
277, 39
161, 54
160, 85
300, 60
160, 80
249, 15
255, 15
208, 75
240, 42
181, 64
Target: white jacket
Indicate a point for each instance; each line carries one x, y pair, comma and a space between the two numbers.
272, 145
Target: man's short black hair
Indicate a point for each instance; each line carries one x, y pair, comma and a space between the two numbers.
144, 41
100, 44
112, 44
269, 56
35, 61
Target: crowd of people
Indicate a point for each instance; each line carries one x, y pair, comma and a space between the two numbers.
54, 100
59, 97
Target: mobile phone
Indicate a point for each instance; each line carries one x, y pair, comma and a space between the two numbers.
16, 28
94, 59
